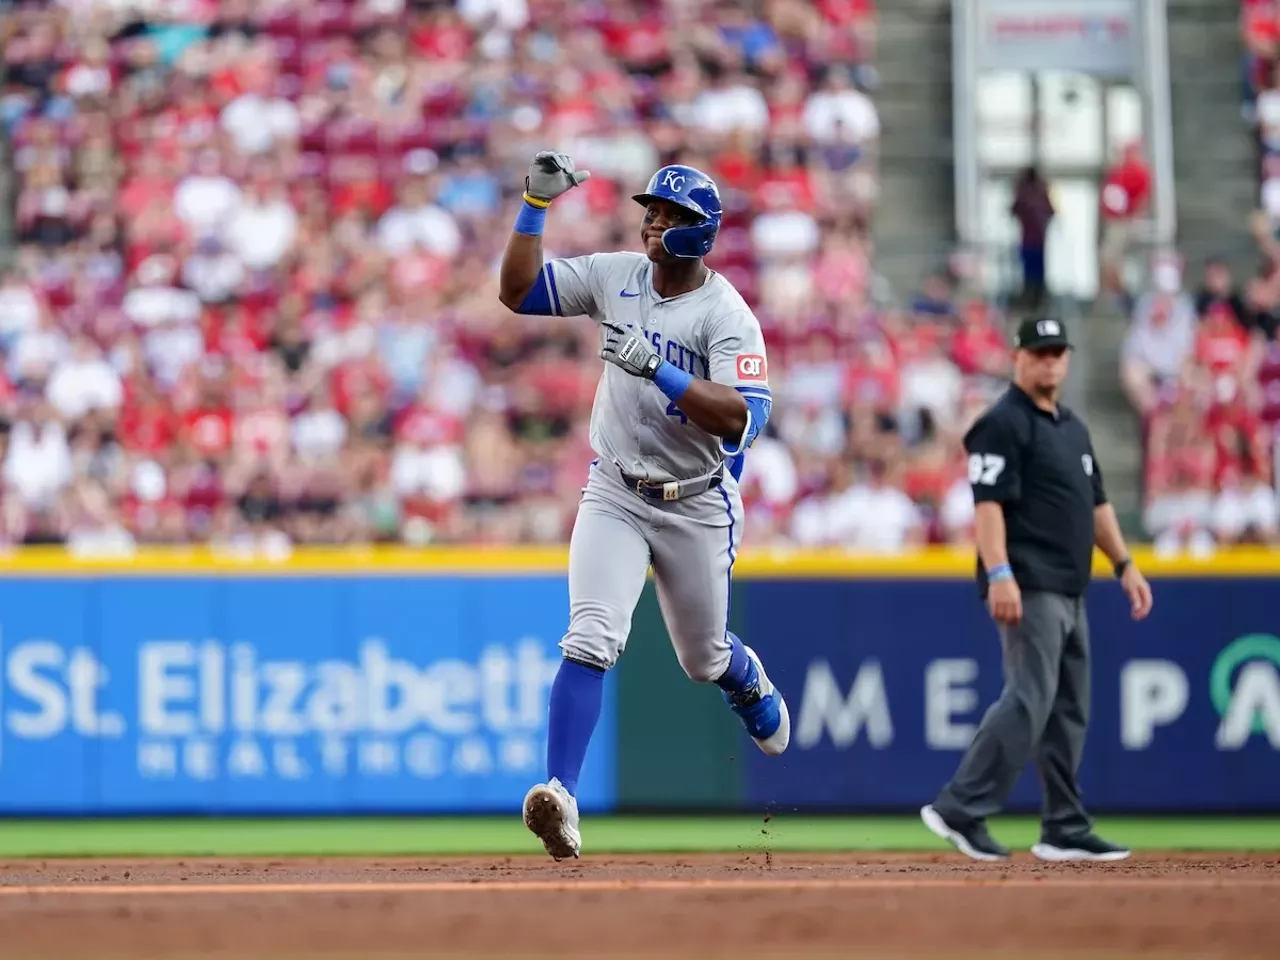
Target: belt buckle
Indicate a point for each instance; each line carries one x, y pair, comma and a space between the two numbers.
639, 487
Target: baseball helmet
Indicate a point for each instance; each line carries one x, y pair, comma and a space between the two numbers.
695, 191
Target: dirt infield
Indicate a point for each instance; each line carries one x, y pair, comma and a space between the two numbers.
650, 906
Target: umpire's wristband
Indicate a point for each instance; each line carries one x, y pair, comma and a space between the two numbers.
1000, 572
532, 216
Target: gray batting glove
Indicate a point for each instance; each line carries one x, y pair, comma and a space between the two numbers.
552, 174
629, 352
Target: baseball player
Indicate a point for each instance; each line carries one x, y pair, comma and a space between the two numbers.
684, 392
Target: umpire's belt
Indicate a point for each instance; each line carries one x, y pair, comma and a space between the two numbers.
672, 489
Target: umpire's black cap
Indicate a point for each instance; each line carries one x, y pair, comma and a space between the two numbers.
1039, 333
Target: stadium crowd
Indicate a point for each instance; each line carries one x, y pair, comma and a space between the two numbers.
1201, 363
253, 297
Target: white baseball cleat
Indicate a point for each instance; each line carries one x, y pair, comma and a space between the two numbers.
551, 813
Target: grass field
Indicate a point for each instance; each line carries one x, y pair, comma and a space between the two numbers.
506, 835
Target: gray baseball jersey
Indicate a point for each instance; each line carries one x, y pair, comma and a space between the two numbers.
691, 543
709, 333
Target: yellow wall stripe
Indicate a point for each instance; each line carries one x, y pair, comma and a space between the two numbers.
522, 561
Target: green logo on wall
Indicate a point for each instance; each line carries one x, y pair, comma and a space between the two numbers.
1253, 647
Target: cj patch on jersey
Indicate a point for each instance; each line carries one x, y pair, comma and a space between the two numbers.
751, 367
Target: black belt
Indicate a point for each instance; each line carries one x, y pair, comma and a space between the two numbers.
673, 489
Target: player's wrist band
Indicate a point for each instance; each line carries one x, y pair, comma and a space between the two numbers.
671, 380
1000, 572
532, 216
1121, 566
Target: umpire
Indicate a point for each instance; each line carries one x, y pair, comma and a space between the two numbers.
1041, 509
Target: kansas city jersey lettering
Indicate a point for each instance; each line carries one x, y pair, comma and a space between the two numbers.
710, 333
678, 355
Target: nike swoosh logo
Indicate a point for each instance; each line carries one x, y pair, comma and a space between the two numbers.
628, 295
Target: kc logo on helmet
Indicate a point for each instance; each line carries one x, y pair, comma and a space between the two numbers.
673, 181
1048, 328
751, 367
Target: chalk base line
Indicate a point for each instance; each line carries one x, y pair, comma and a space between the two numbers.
90, 889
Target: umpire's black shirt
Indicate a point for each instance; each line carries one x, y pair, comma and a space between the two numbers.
1040, 468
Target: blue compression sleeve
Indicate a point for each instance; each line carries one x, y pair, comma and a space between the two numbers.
576, 698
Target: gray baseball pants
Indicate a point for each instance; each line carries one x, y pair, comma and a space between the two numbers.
1042, 715
690, 544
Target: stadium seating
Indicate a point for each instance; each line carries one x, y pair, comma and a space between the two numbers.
253, 297
1201, 363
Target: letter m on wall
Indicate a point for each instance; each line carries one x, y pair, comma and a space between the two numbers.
826, 708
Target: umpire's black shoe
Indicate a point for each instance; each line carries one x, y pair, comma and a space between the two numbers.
971, 838
1088, 846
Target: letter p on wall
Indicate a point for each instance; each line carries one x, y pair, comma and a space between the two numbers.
1153, 693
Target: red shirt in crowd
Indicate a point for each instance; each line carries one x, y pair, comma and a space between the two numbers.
147, 427
978, 346
843, 12
209, 430
1221, 343
419, 424
872, 381
444, 39
638, 42
1240, 444
356, 378
788, 187
1127, 188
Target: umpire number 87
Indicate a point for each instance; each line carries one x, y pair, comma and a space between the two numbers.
985, 468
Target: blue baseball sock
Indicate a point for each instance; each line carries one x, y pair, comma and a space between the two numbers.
739, 673
576, 697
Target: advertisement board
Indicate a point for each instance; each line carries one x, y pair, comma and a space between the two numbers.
1080, 36
888, 679
417, 682
315, 694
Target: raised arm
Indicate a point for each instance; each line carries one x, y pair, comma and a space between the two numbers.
523, 284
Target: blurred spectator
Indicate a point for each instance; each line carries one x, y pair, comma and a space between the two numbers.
255, 305
1126, 194
206, 199
416, 222
1033, 209
730, 102
838, 112
1260, 33
1160, 342
873, 515
1179, 477
1217, 289
84, 383
1245, 506
263, 228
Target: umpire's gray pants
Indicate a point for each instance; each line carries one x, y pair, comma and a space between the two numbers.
1042, 714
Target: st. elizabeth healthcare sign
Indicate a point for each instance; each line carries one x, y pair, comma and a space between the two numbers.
280, 693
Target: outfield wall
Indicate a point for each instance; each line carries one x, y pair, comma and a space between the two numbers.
408, 681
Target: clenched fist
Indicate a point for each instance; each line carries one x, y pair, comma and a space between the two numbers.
552, 174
